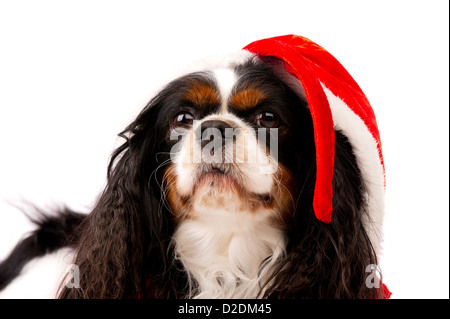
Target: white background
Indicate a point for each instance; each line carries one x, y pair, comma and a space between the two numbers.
74, 73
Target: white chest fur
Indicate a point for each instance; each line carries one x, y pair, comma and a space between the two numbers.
228, 254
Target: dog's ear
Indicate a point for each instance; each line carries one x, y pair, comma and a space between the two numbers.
126, 235
351, 223
328, 260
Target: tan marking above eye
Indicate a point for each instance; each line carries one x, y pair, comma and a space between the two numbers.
201, 94
247, 99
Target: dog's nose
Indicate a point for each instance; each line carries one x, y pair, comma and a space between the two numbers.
216, 131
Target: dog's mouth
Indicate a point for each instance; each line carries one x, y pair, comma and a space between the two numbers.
225, 178
222, 187
221, 173
215, 170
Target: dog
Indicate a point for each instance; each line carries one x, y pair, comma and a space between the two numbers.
211, 195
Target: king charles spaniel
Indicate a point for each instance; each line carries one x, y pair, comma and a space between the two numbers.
211, 196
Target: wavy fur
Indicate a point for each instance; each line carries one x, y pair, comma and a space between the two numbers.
130, 245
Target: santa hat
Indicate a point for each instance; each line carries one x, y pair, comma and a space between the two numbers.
336, 102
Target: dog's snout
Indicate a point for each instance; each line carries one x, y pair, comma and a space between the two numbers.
216, 124
214, 130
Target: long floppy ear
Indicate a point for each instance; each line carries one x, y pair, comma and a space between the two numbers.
329, 260
127, 234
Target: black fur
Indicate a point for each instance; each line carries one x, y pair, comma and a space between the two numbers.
53, 232
123, 249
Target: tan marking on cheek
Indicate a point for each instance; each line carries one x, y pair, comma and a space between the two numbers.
283, 193
247, 99
178, 205
202, 94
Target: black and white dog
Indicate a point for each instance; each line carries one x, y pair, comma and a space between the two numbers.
211, 196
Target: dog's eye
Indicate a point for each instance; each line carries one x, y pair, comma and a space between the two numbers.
267, 119
183, 119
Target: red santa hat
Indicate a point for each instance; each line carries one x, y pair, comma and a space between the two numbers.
318, 71
336, 102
